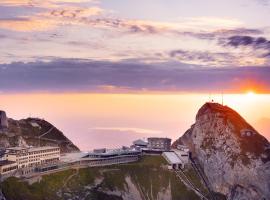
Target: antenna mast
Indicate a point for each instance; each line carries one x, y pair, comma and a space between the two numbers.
222, 97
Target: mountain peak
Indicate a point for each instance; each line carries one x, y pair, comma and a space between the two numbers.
234, 156
211, 108
225, 119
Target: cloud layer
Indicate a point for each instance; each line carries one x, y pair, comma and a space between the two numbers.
67, 75
32, 30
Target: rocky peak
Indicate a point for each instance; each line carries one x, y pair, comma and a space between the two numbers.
250, 141
234, 156
3, 120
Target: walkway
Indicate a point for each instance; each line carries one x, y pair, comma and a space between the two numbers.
70, 177
46, 132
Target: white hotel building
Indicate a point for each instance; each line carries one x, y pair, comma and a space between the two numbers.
31, 159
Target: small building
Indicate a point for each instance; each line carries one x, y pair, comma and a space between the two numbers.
174, 162
182, 147
103, 150
247, 133
138, 144
35, 125
183, 154
162, 144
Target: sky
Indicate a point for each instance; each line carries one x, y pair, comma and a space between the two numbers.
101, 45
78, 49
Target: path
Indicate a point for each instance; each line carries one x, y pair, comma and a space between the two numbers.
70, 177
46, 132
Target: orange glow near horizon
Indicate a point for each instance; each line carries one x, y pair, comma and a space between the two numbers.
79, 115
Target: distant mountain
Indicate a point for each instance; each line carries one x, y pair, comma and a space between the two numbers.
32, 132
233, 155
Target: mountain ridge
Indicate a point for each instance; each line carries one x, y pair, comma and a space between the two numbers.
33, 132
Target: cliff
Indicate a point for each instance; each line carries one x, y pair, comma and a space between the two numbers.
234, 156
33, 132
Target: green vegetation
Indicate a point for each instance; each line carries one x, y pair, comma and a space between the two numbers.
149, 177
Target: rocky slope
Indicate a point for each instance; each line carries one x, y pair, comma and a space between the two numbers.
32, 132
234, 156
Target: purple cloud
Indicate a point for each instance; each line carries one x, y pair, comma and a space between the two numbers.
249, 41
65, 75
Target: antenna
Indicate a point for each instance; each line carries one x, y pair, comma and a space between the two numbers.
222, 97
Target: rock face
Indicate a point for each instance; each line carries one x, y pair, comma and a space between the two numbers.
3, 120
234, 156
34, 132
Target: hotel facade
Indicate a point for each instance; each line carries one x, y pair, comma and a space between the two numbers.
26, 160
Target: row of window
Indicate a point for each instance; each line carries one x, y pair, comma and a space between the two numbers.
10, 168
38, 156
44, 151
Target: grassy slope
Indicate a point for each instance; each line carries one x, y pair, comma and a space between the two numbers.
149, 175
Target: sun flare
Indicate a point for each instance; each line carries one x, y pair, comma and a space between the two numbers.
250, 94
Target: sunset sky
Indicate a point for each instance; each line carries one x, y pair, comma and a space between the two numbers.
131, 67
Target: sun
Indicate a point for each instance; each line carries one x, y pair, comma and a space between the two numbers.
250, 94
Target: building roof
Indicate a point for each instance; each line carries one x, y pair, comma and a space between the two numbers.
172, 158
6, 162
41, 148
158, 138
139, 142
17, 148
72, 157
32, 149
119, 151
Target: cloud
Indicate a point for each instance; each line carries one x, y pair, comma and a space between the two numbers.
24, 24
256, 43
180, 28
205, 57
263, 2
74, 75
46, 21
38, 3
126, 129
211, 22
74, 12
71, 12
221, 59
